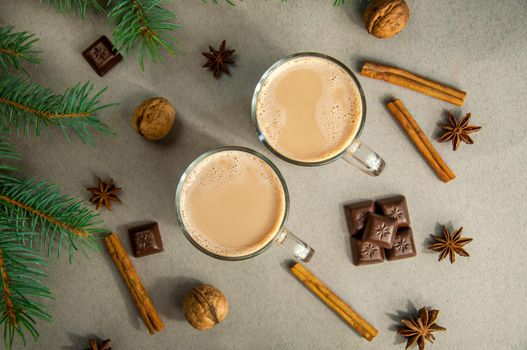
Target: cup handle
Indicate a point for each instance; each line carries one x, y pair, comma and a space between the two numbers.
364, 158
300, 250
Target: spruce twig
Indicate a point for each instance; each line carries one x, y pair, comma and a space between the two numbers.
15, 48
20, 288
24, 104
143, 23
49, 216
33, 215
77, 6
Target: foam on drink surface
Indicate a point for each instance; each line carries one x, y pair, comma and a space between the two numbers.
309, 109
232, 203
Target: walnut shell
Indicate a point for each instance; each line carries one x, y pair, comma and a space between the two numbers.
386, 18
154, 118
205, 306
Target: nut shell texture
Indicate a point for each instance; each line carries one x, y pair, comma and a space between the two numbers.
205, 306
386, 18
154, 118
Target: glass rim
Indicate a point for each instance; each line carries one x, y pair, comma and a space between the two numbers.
198, 160
271, 70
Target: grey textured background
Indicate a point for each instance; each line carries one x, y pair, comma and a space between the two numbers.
479, 46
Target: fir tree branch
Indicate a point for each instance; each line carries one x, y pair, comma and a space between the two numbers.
15, 48
31, 212
24, 104
49, 216
144, 23
20, 288
77, 6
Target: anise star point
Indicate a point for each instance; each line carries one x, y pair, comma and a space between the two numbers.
218, 60
102, 345
450, 244
457, 132
419, 329
104, 194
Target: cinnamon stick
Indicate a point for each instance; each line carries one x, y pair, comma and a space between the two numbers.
414, 82
408, 123
139, 294
334, 302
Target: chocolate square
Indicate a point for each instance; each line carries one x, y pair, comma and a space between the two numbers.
102, 56
396, 208
403, 246
380, 230
146, 240
356, 215
365, 253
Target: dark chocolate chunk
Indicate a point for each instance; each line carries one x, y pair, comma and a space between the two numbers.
365, 253
403, 246
396, 208
146, 240
102, 56
380, 230
356, 215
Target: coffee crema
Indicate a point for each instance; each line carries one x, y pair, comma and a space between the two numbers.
309, 109
232, 203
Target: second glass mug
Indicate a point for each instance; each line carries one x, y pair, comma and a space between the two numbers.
300, 250
355, 152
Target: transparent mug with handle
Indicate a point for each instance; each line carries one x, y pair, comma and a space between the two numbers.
353, 151
280, 234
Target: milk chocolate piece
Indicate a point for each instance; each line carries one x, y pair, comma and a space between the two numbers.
396, 208
380, 230
356, 215
102, 56
365, 253
146, 240
403, 246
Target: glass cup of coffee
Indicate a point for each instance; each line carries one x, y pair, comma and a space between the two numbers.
232, 204
309, 109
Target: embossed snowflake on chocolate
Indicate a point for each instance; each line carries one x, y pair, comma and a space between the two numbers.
382, 231
145, 240
99, 53
360, 218
369, 249
395, 213
401, 244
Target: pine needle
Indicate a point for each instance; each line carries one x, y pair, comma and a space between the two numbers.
20, 288
16, 48
77, 6
25, 105
145, 24
34, 216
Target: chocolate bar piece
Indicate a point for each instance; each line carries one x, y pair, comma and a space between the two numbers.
365, 253
146, 240
380, 230
102, 56
396, 208
356, 215
403, 246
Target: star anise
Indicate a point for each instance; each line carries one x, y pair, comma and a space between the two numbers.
218, 60
457, 132
450, 244
102, 345
104, 194
420, 328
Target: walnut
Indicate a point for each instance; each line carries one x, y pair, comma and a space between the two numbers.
205, 306
386, 18
154, 118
